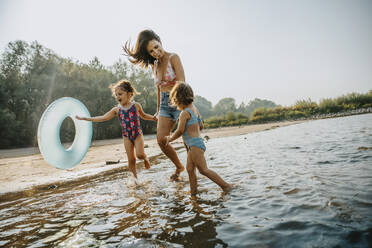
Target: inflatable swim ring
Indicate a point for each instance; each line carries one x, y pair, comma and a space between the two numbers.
49, 129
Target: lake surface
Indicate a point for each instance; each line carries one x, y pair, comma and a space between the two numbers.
305, 185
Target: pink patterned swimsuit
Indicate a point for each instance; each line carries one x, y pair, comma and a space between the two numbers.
129, 121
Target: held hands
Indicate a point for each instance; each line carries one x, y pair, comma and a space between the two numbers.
155, 116
167, 138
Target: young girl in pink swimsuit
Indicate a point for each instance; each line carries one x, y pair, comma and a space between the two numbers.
128, 113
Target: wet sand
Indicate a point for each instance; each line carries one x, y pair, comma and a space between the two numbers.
24, 170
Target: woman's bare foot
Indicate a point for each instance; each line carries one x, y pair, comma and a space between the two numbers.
147, 164
176, 175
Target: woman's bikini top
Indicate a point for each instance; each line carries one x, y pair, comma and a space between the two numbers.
169, 76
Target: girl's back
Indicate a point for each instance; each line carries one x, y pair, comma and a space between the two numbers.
192, 127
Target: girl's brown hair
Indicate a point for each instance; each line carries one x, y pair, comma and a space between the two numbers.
138, 54
182, 94
124, 85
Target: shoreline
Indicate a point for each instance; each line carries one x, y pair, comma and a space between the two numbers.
24, 174
26, 151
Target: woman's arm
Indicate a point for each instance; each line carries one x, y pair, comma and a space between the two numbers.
143, 114
108, 116
158, 101
178, 68
154, 72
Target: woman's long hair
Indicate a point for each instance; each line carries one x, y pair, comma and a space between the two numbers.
138, 54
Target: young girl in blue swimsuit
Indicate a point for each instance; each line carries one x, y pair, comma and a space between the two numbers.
128, 113
189, 127
167, 69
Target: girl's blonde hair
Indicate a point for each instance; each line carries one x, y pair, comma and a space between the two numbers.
182, 94
124, 85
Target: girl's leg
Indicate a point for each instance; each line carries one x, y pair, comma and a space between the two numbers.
197, 156
129, 149
191, 170
165, 126
139, 144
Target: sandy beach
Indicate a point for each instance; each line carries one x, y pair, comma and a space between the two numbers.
24, 170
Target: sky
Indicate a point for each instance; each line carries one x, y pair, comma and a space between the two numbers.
281, 51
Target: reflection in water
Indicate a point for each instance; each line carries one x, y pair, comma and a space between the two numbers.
297, 186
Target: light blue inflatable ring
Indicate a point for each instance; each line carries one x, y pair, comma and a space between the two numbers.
49, 128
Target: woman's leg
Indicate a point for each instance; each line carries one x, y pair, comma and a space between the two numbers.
139, 144
129, 149
197, 156
191, 170
165, 126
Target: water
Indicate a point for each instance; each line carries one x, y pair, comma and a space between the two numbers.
305, 185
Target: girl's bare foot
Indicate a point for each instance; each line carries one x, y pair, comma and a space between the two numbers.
227, 189
132, 181
147, 164
193, 194
176, 175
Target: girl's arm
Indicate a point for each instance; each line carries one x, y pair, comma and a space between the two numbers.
201, 126
178, 68
108, 116
184, 116
154, 69
143, 114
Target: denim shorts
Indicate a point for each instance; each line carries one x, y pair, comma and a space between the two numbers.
165, 109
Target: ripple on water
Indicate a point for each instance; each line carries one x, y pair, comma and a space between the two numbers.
304, 185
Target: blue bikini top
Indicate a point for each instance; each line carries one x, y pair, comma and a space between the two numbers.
194, 119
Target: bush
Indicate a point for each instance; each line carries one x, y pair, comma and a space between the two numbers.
327, 106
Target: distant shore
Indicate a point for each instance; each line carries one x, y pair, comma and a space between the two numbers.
18, 152
24, 170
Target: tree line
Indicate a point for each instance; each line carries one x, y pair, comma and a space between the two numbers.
302, 109
32, 76
309, 109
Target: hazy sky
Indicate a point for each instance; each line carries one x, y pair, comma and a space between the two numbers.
282, 51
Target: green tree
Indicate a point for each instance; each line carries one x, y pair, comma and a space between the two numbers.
225, 105
230, 116
204, 106
32, 76
257, 103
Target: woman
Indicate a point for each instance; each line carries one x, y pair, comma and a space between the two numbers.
167, 69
